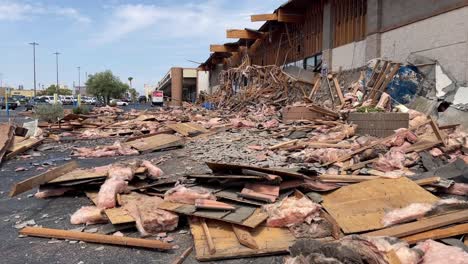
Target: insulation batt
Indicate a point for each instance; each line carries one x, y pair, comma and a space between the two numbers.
458, 189
153, 171
238, 122
109, 189
401, 248
121, 172
392, 160
437, 253
149, 219
181, 194
51, 192
88, 215
403, 135
290, 211
324, 155
418, 210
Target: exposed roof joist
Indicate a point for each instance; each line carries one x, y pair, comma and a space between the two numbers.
286, 17
224, 48
244, 34
264, 17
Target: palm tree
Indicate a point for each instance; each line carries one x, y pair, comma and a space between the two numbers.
130, 79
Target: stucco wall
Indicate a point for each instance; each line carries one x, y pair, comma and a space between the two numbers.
443, 38
203, 81
349, 56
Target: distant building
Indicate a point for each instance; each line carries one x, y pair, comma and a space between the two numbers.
13, 91
180, 84
148, 90
81, 90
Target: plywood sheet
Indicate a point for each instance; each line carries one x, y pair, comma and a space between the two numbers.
17, 148
243, 215
360, 207
269, 241
187, 129
83, 174
156, 142
116, 215
6, 138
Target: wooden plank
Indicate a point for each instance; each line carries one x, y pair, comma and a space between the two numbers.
244, 237
338, 91
327, 145
243, 34
286, 17
422, 225
315, 88
361, 207
84, 174
208, 238
269, 241
43, 178
183, 256
440, 136
187, 129
94, 238
252, 220
21, 147
154, 143
437, 233
427, 181
264, 17
223, 48
6, 138
116, 215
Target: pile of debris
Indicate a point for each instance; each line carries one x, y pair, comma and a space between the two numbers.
361, 179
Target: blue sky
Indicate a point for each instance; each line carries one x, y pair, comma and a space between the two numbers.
142, 39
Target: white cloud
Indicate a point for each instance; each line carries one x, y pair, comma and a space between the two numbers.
207, 18
15, 11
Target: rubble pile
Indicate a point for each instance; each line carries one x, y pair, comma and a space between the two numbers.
282, 173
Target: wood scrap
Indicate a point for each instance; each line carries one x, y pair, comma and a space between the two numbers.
244, 236
43, 178
180, 259
6, 138
437, 233
94, 238
209, 239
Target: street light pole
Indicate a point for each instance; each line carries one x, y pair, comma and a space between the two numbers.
79, 79
34, 44
56, 63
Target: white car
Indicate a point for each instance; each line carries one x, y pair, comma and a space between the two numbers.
119, 102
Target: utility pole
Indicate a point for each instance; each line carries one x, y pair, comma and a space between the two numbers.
34, 44
56, 63
79, 79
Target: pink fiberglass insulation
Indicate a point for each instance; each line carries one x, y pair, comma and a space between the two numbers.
405, 214
153, 171
181, 194
324, 155
290, 211
402, 136
121, 172
88, 215
438, 253
392, 160
458, 189
109, 189
149, 219
401, 249
51, 192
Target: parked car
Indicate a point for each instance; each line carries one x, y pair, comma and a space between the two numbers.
67, 100
11, 104
121, 103
35, 102
142, 99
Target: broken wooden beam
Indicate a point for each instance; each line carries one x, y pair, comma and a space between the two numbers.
244, 237
180, 259
243, 34
223, 48
209, 239
94, 238
264, 17
422, 225
437, 233
43, 178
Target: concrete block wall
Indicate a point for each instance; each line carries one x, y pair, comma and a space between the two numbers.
443, 37
349, 56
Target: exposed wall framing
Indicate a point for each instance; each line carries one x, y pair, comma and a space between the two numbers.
349, 21
290, 42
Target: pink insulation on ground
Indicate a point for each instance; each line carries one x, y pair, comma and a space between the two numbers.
181, 194
51, 192
392, 160
88, 215
121, 172
109, 189
105, 151
239, 122
291, 210
149, 219
324, 155
438, 253
458, 189
337, 133
436, 152
403, 135
271, 123
401, 249
405, 214
153, 171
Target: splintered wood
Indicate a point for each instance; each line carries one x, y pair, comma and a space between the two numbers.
360, 207
154, 143
260, 241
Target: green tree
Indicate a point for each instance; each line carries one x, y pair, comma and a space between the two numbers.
106, 85
133, 94
53, 89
